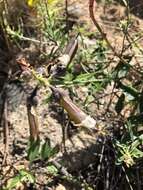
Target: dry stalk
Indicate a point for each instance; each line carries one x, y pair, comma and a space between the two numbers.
32, 116
104, 35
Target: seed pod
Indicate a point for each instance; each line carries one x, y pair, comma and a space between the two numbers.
65, 59
77, 116
69, 52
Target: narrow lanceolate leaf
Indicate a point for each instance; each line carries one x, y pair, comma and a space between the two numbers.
34, 149
129, 89
77, 116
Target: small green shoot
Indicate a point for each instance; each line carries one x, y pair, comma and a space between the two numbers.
19, 180
41, 151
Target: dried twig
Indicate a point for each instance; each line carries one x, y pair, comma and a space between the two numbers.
62, 169
32, 115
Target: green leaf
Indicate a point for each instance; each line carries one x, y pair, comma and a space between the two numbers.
18, 180
52, 170
83, 78
121, 69
135, 144
130, 128
47, 151
141, 138
33, 151
137, 153
129, 89
26, 176
13, 183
